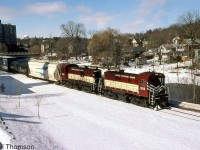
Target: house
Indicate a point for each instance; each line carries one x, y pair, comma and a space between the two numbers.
176, 40
137, 43
132, 52
140, 61
165, 50
150, 53
184, 47
149, 44
134, 43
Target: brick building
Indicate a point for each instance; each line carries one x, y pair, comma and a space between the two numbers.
8, 36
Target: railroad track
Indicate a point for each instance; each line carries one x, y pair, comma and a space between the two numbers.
188, 114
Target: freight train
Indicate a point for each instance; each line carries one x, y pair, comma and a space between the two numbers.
145, 89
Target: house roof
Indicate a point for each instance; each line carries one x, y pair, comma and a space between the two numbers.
167, 46
190, 42
134, 41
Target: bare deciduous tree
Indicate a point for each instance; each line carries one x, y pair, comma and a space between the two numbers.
35, 49
74, 32
190, 21
61, 48
106, 45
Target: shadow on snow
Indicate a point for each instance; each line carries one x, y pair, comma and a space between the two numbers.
12, 86
17, 118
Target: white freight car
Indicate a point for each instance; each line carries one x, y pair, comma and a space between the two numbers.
44, 70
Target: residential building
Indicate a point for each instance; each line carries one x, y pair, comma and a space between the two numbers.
8, 35
134, 43
130, 53
184, 47
149, 44
166, 51
133, 51
165, 48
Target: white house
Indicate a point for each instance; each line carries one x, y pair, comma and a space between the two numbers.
165, 50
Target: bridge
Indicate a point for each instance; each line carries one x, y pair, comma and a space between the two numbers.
19, 54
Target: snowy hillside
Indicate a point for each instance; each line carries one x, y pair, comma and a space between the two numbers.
51, 117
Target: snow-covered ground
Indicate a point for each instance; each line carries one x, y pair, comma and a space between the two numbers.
51, 117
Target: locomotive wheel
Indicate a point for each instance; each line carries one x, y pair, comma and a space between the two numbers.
71, 85
85, 89
80, 88
162, 104
57, 82
144, 103
138, 101
74, 86
105, 93
115, 96
133, 100
128, 99
67, 84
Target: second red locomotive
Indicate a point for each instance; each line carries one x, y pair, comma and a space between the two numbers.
146, 88
86, 79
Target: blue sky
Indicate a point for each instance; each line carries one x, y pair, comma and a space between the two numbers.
42, 18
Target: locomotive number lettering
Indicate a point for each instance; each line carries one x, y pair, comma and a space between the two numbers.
142, 88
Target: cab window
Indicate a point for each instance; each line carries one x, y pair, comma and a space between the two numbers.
143, 82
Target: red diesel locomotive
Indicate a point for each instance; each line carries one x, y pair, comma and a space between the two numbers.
86, 79
147, 89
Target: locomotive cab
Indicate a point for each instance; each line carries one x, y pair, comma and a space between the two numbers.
157, 79
158, 93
